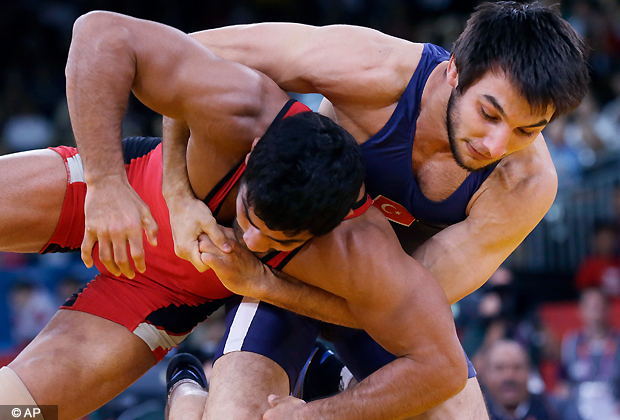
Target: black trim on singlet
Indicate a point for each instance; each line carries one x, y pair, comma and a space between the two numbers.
232, 172
288, 258
220, 185
280, 116
360, 202
136, 147
271, 255
182, 319
55, 249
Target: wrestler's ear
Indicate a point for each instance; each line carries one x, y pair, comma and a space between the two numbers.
251, 150
452, 74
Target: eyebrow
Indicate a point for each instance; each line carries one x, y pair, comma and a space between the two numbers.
280, 241
499, 108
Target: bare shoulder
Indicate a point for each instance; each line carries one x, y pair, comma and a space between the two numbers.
354, 259
236, 104
525, 178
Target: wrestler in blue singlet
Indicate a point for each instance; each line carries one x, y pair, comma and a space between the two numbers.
288, 338
388, 157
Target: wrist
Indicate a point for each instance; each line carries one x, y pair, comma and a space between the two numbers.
176, 196
94, 180
304, 413
263, 289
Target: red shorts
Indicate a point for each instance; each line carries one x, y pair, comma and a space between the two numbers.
161, 305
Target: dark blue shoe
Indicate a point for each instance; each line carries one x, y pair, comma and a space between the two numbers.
321, 376
185, 366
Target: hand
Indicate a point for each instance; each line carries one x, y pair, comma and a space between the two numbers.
189, 219
115, 216
283, 408
240, 271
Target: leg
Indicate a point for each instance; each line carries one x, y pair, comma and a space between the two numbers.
466, 405
263, 351
32, 190
186, 402
80, 361
240, 384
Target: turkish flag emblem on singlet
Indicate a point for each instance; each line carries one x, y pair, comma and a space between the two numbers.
393, 211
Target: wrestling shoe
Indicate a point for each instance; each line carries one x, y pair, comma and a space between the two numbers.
322, 376
185, 366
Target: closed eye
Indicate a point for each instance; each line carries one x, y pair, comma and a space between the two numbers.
487, 116
526, 133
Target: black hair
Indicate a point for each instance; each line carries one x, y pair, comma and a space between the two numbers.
544, 57
304, 175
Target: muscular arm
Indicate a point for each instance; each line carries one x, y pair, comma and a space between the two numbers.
397, 301
110, 56
509, 205
347, 64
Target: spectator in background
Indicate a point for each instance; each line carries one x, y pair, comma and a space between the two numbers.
504, 379
488, 314
31, 309
591, 360
602, 267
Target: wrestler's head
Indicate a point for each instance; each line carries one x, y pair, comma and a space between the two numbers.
301, 180
514, 68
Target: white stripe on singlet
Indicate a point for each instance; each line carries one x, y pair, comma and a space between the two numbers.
155, 337
241, 324
76, 169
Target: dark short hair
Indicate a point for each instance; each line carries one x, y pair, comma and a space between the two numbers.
542, 54
304, 175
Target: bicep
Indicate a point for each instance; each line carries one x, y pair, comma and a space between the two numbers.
463, 256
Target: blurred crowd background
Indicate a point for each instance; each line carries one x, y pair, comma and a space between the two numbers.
541, 332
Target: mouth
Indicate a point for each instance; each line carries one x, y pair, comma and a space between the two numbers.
475, 154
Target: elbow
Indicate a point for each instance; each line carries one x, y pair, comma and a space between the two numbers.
92, 23
454, 373
95, 34
449, 375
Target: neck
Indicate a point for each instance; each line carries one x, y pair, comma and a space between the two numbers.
431, 131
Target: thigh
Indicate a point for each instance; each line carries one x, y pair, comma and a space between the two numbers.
81, 361
32, 190
282, 336
240, 384
466, 405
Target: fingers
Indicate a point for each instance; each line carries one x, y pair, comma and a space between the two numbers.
121, 259
150, 227
194, 258
106, 256
88, 243
211, 228
136, 247
274, 400
190, 250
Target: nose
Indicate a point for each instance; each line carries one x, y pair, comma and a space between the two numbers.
255, 240
495, 144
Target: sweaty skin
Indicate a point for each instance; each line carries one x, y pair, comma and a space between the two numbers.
225, 106
363, 73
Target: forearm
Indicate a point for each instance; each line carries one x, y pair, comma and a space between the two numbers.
399, 390
452, 266
265, 47
175, 183
100, 71
296, 296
